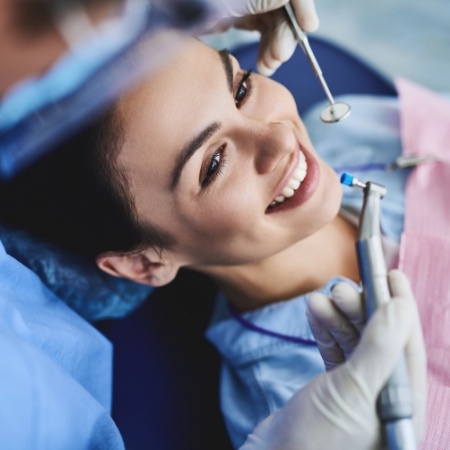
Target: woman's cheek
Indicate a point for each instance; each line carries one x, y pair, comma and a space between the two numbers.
232, 215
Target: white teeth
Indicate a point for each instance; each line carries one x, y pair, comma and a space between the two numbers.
287, 192
301, 174
294, 183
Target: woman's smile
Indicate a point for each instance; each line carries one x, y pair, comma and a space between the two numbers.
297, 185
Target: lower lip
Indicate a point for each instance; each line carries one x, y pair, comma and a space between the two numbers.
306, 189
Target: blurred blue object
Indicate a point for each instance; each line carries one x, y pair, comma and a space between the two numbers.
41, 112
55, 370
166, 374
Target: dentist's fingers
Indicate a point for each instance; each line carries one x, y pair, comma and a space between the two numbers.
334, 321
329, 349
276, 46
384, 338
278, 42
305, 11
239, 8
350, 302
399, 285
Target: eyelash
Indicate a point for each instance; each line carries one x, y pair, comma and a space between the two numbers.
220, 158
245, 82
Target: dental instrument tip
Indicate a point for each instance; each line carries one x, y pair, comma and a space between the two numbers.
347, 179
350, 180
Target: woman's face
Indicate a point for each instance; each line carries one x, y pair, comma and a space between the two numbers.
222, 161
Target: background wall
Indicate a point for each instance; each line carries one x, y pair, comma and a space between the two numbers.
410, 38
401, 37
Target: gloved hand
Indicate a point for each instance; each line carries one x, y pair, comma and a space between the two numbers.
268, 17
336, 323
337, 409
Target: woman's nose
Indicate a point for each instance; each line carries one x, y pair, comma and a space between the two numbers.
272, 142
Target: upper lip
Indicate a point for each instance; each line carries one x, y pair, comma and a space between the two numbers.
287, 174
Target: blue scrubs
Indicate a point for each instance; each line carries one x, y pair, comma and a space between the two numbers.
55, 370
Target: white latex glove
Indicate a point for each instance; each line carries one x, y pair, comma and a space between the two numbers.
268, 17
336, 410
336, 323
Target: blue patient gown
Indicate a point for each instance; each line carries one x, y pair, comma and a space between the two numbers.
55, 370
260, 372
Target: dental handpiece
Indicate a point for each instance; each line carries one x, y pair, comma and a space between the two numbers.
334, 111
394, 404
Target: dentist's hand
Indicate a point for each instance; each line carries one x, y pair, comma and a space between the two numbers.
277, 40
337, 409
336, 323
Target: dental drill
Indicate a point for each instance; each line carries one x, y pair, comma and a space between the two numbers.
334, 112
394, 404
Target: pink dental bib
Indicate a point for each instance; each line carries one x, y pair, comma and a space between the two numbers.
425, 244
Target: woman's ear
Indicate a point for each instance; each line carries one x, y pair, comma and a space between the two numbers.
146, 267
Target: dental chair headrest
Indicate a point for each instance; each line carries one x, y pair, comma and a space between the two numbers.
90, 292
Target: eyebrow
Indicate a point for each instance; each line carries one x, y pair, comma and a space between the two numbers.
225, 57
197, 141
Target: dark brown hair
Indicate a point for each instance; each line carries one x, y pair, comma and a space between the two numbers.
79, 199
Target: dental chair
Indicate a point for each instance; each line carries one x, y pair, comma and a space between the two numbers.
166, 375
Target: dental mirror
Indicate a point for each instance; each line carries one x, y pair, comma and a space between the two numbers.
334, 112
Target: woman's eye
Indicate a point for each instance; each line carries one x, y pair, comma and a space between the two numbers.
214, 167
243, 90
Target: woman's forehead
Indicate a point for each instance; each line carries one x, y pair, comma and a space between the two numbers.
169, 107
182, 88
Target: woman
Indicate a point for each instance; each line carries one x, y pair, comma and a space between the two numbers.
208, 167
240, 124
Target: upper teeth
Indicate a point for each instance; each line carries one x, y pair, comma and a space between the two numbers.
294, 183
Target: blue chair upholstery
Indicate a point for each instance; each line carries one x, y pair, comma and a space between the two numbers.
166, 375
